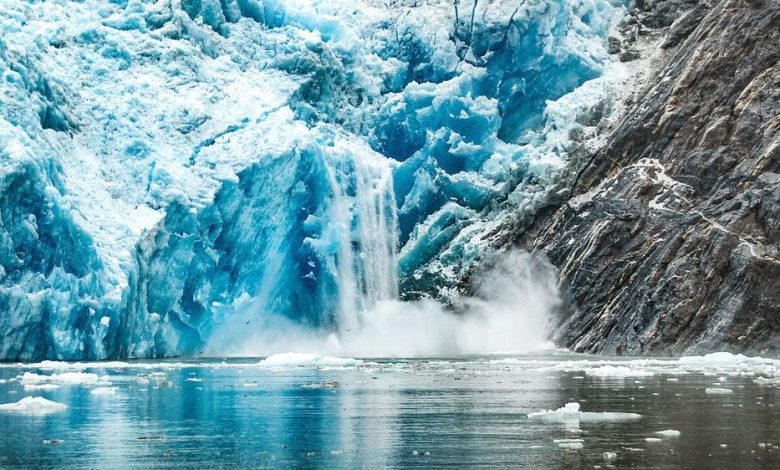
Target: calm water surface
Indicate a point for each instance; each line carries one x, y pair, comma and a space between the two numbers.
391, 413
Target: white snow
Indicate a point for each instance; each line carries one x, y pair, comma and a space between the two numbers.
33, 405
669, 433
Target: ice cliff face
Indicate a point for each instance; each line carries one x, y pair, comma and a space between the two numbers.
667, 238
172, 170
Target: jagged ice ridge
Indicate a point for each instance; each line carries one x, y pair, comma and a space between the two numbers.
171, 170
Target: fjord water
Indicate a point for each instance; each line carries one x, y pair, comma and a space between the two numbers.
314, 411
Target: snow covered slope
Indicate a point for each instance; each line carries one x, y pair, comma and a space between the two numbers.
172, 169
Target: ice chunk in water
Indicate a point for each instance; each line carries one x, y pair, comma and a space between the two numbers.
65, 378
718, 391
619, 372
33, 405
570, 416
572, 444
307, 360
669, 433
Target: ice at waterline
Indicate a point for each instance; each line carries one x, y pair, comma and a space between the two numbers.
508, 313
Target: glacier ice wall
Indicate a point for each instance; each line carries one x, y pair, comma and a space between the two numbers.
174, 169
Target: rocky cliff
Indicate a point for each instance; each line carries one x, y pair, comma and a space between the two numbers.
668, 238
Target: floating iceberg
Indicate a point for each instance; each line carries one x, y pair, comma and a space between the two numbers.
285, 360
65, 378
33, 405
570, 416
619, 372
571, 444
28, 387
718, 391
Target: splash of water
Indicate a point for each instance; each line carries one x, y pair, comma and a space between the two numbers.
508, 314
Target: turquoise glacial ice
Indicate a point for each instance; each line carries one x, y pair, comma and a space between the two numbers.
174, 169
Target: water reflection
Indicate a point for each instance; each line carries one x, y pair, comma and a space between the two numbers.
412, 415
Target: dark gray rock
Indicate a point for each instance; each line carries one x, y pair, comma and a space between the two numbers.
669, 240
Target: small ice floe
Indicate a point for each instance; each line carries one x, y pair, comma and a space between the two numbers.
326, 384
194, 379
653, 439
570, 444
618, 372
669, 433
284, 360
766, 381
421, 452
65, 378
723, 446
30, 387
718, 391
570, 416
52, 441
33, 405
505, 361
103, 391
609, 456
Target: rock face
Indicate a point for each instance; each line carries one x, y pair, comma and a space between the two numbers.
668, 238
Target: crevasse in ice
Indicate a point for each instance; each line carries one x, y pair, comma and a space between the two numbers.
171, 169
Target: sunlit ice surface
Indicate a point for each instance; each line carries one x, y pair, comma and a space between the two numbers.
550, 409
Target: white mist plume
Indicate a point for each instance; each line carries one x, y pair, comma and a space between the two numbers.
508, 313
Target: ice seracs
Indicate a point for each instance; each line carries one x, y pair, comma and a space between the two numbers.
179, 172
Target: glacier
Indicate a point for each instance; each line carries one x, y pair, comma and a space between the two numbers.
171, 171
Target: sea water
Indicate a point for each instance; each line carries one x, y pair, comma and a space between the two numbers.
551, 410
